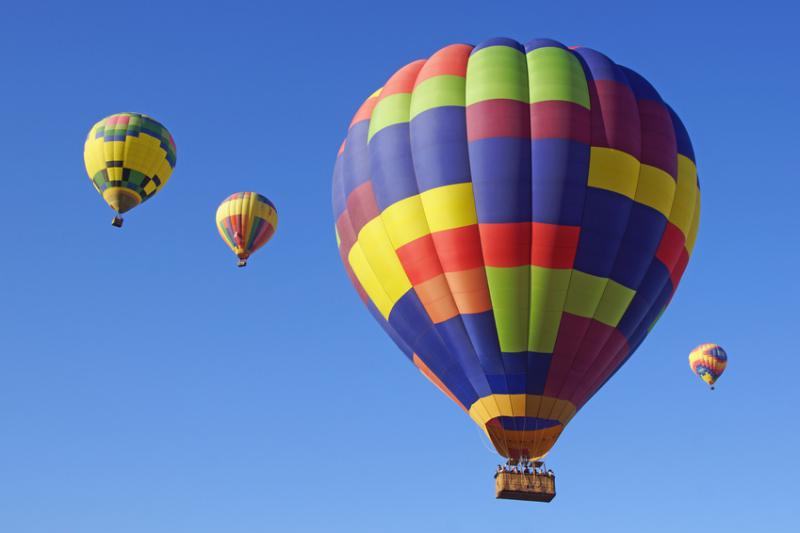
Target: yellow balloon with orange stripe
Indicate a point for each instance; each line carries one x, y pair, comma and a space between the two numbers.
129, 157
708, 361
246, 221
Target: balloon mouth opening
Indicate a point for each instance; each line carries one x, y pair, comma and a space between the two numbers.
533, 444
121, 199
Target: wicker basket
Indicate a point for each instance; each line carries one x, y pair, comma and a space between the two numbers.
529, 487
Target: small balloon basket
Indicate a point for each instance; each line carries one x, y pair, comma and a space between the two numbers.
528, 486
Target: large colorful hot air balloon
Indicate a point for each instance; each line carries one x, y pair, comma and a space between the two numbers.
708, 361
516, 218
129, 157
246, 221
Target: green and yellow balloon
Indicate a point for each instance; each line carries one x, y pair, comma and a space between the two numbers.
129, 157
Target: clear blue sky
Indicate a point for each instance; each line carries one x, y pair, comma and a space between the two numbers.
148, 385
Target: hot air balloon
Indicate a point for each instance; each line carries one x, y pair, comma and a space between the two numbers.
246, 221
708, 361
129, 157
516, 217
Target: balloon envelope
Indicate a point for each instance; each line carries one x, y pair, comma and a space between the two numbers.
129, 157
708, 361
246, 221
516, 218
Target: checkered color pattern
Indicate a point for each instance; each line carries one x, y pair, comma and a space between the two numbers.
516, 217
129, 155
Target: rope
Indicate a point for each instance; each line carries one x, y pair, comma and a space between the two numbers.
481, 434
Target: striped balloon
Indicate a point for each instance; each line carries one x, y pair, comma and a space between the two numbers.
246, 221
708, 361
516, 218
129, 157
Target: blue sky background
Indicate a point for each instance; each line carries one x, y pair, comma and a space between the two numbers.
148, 385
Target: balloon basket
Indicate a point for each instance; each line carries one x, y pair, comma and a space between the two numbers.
530, 487
117, 222
242, 263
